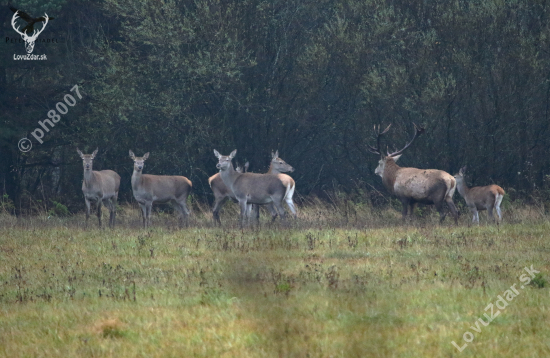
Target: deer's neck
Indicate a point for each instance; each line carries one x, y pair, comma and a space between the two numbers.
390, 173
272, 170
229, 176
462, 188
89, 178
136, 179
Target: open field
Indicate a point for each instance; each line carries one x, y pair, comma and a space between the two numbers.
313, 288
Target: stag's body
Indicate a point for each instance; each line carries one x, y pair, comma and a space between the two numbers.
149, 189
221, 193
100, 187
480, 197
251, 188
412, 185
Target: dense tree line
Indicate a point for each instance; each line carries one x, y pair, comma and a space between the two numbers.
309, 78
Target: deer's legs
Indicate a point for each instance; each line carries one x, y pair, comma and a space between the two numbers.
87, 211
490, 213
244, 209
453, 209
109, 205
99, 203
143, 208
291, 206
218, 203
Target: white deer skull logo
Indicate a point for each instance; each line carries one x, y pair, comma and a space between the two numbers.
29, 40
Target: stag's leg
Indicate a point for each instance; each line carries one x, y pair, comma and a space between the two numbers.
87, 211
441, 210
405, 202
114, 202
99, 203
453, 209
218, 203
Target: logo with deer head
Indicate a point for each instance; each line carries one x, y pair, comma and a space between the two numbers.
29, 40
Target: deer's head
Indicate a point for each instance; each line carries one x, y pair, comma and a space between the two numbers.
139, 162
280, 165
224, 161
87, 159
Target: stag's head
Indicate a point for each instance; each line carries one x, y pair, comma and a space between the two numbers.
29, 40
87, 159
139, 162
393, 157
224, 161
280, 165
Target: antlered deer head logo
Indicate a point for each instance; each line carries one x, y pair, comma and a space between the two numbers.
29, 40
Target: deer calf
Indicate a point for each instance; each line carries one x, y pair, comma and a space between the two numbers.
99, 187
221, 192
480, 197
149, 189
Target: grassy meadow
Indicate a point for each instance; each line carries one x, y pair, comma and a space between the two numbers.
343, 280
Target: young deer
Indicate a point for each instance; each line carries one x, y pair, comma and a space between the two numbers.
222, 192
99, 187
480, 197
279, 167
251, 188
149, 189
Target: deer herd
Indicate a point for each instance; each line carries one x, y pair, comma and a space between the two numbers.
250, 190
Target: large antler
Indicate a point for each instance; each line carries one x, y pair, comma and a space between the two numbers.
418, 131
378, 136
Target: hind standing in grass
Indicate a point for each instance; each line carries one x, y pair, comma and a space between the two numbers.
480, 197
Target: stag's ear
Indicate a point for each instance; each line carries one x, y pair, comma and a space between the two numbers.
132, 155
396, 157
80, 153
233, 154
217, 154
246, 165
145, 156
94, 153
275, 155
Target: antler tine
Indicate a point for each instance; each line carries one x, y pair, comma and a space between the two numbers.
378, 136
418, 131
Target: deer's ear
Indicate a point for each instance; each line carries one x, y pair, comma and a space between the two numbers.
396, 157
94, 153
246, 165
80, 153
217, 154
132, 155
233, 154
145, 156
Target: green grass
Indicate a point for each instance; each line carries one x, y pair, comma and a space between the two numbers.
345, 288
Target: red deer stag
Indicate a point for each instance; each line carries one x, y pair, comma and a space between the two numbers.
149, 189
412, 185
480, 197
100, 187
251, 188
